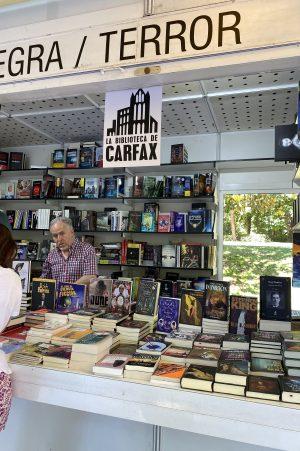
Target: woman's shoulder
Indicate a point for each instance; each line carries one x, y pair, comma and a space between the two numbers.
9, 274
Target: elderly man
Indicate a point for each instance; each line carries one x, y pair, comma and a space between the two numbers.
71, 260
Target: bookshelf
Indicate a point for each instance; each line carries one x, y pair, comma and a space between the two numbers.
130, 203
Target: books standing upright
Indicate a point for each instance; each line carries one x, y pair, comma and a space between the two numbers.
43, 294
70, 297
243, 315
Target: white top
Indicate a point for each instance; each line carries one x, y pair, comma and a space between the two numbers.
10, 302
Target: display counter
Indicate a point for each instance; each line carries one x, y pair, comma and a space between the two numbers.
270, 424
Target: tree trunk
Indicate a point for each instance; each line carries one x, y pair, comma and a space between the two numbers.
232, 225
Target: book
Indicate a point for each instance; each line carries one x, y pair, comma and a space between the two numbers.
190, 256
179, 222
86, 157
134, 254
4, 161
164, 223
179, 154
175, 354
72, 158
16, 161
102, 221
204, 356
275, 298
10, 191
23, 190
181, 338
168, 372
111, 365
235, 341
243, 315
98, 155
196, 222
23, 269
88, 221
32, 250
266, 367
43, 294
148, 223
232, 372
262, 388
168, 256
216, 299
134, 221
147, 298
152, 347
198, 377
291, 349
142, 362
121, 297
58, 158
91, 190
77, 187
21, 251
100, 291
138, 186
290, 389
192, 302
70, 297
93, 343
168, 314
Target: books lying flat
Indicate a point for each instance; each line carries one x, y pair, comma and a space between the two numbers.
108, 321
292, 349
69, 336
270, 338
275, 326
111, 365
181, 338
204, 356
152, 347
124, 348
266, 367
168, 374
232, 372
174, 354
92, 343
9, 346
198, 377
263, 388
31, 354
205, 340
58, 317
290, 389
229, 389
58, 356
233, 341
142, 362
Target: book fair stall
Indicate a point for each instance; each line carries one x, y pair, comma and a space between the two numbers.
132, 131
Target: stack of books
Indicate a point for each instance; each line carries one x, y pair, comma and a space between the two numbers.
204, 356
290, 389
57, 317
266, 345
167, 374
153, 347
29, 354
57, 356
263, 388
108, 321
291, 352
43, 333
232, 372
35, 317
141, 366
216, 307
69, 336
111, 365
88, 350
174, 354
213, 341
181, 338
199, 377
83, 318
132, 331
214, 326
233, 341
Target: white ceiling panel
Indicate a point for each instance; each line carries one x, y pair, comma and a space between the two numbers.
255, 111
70, 126
46, 105
12, 134
187, 117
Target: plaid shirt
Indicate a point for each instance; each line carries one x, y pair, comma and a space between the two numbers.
80, 262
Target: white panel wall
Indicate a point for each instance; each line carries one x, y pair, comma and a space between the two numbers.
252, 144
200, 147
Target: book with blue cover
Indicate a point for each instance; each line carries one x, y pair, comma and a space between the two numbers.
70, 297
168, 314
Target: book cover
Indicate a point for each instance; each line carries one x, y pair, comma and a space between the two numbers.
135, 221
16, 161
177, 352
168, 314
148, 222
21, 251
216, 299
207, 339
266, 337
100, 291
23, 190
164, 222
72, 158
266, 365
262, 384
36, 189
168, 258
179, 154
147, 298
134, 254
289, 384
190, 256
180, 222
98, 157
70, 297
23, 269
78, 187
192, 302
178, 186
113, 361
146, 361
206, 373
138, 186
10, 190
243, 315
275, 298
4, 161
102, 221
120, 301
234, 354
88, 221
58, 158
169, 371
149, 186
44, 250
91, 189
86, 157
154, 347
32, 250
236, 368
43, 294
196, 221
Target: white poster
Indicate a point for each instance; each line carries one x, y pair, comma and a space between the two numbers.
132, 127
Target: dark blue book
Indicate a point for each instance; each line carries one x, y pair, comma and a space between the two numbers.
168, 314
196, 221
86, 157
70, 297
180, 222
111, 187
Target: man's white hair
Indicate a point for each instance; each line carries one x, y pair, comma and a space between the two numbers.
62, 219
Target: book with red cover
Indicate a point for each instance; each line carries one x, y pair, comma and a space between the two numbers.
17, 333
4, 158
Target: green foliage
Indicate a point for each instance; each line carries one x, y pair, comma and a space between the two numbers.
244, 264
269, 215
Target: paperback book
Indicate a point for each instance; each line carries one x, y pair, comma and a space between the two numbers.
70, 297
43, 294
243, 315
275, 298
168, 314
216, 299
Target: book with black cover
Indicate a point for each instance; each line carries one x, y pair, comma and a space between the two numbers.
43, 294
135, 221
4, 161
147, 298
86, 157
32, 250
275, 298
72, 158
58, 158
102, 221
243, 314
16, 161
190, 256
